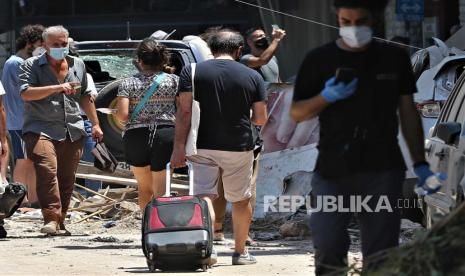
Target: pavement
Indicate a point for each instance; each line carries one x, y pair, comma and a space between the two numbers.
95, 250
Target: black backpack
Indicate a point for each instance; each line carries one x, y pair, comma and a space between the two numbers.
11, 199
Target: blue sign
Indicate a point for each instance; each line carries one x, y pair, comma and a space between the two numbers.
410, 10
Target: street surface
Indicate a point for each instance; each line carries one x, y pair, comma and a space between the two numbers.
95, 250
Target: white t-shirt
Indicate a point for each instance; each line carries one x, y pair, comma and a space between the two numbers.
2, 90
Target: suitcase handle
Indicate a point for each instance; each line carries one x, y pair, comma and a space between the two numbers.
190, 169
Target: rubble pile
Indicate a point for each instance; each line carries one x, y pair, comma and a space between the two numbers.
114, 204
439, 251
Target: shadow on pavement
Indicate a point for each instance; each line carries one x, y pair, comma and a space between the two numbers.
82, 247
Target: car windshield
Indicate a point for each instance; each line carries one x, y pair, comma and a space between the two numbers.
117, 63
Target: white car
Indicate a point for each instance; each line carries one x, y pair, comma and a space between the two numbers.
437, 69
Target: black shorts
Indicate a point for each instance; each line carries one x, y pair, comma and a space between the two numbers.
139, 152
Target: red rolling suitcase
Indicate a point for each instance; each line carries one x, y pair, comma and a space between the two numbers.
176, 230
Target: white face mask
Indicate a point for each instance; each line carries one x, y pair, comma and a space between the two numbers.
38, 51
356, 36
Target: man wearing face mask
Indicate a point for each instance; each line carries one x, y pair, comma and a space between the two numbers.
261, 57
29, 40
359, 155
53, 86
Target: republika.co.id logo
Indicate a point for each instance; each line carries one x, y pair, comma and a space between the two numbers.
329, 203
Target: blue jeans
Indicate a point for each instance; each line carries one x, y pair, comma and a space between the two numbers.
87, 156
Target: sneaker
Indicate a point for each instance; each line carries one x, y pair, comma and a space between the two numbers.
243, 259
213, 258
218, 235
50, 228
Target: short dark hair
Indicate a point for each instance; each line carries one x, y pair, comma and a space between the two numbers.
29, 34
250, 31
374, 6
225, 41
152, 53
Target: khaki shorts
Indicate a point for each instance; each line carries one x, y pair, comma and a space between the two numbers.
234, 168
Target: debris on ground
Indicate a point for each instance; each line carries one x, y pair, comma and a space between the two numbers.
439, 251
110, 239
293, 229
109, 203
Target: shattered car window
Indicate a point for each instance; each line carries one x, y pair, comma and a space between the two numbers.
117, 64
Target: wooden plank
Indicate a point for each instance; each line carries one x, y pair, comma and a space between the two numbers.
93, 214
94, 192
123, 181
88, 168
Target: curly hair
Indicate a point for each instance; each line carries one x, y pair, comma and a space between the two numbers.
371, 5
29, 34
153, 54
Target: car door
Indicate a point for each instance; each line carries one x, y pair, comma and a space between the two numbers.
448, 156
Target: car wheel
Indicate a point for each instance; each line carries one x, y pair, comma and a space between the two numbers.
111, 126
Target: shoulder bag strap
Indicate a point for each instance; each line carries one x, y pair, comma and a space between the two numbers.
147, 95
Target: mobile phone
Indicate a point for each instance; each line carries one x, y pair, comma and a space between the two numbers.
275, 27
345, 75
77, 87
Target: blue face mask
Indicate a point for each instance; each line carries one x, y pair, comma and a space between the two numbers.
59, 53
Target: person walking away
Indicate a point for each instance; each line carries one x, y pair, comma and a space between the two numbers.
359, 155
227, 92
53, 87
262, 53
263, 60
29, 40
147, 102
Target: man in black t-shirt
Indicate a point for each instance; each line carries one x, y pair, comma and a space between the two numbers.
227, 92
359, 155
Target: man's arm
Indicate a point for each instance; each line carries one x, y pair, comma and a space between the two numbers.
268, 54
308, 109
259, 114
122, 109
89, 108
39, 93
412, 128
183, 125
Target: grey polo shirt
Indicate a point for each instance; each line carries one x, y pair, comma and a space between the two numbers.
57, 115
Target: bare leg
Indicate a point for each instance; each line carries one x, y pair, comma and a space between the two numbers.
144, 180
158, 183
219, 205
25, 173
242, 215
4, 166
210, 209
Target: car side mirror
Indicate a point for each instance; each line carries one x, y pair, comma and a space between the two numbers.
448, 132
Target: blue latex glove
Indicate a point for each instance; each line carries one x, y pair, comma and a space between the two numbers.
334, 92
424, 172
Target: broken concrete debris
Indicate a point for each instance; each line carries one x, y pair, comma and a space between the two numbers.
293, 229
